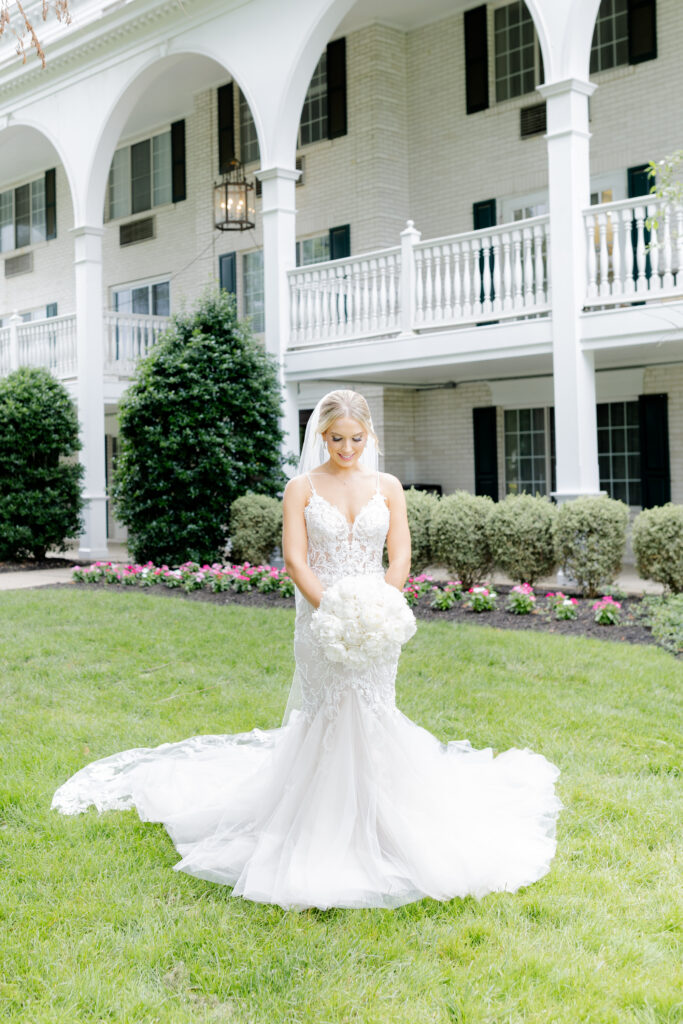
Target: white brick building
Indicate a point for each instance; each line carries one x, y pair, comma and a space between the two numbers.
528, 339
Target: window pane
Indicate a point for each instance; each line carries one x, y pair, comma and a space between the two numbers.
252, 270
38, 230
161, 299
22, 215
313, 124
249, 149
525, 451
123, 301
119, 184
619, 448
162, 169
610, 36
141, 299
515, 51
313, 250
6, 221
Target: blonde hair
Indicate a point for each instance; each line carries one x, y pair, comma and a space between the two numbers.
345, 403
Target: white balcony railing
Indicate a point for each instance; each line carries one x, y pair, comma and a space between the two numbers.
462, 279
5, 351
50, 343
128, 337
625, 259
346, 298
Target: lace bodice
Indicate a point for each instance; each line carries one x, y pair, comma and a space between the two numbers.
337, 548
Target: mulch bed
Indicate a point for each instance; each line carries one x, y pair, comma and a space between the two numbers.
31, 563
630, 630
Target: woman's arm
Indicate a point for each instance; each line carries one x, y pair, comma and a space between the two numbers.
398, 537
295, 541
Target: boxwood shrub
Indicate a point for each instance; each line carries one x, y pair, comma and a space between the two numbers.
658, 545
458, 536
521, 537
255, 528
590, 537
421, 506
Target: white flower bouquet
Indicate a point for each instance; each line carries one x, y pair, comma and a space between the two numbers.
362, 619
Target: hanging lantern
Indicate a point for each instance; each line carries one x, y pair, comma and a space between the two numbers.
233, 200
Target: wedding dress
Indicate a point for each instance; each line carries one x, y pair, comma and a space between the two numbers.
350, 803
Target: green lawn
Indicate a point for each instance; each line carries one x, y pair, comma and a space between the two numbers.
97, 927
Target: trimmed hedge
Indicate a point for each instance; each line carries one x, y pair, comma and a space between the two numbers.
421, 506
590, 536
658, 545
458, 536
521, 537
256, 528
40, 479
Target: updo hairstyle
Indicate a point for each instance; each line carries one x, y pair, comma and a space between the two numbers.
341, 403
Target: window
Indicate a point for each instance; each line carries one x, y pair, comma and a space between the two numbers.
529, 451
141, 176
146, 298
248, 138
516, 51
252, 274
610, 36
23, 215
313, 124
313, 250
619, 450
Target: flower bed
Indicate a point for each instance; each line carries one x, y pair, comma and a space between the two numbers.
216, 578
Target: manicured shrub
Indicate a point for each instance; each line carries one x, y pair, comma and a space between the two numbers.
590, 534
420, 506
658, 545
667, 622
458, 536
40, 479
521, 538
255, 528
199, 428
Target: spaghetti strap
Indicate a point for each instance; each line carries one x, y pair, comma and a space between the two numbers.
313, 490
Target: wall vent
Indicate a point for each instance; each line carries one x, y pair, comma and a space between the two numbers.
532, 120
16, 265
136, 231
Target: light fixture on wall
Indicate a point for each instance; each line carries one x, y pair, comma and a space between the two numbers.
233, 200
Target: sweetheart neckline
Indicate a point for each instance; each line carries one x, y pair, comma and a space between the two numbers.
350, 524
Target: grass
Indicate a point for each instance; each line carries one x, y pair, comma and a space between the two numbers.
97, 927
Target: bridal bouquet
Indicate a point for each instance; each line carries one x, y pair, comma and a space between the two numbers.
362, 619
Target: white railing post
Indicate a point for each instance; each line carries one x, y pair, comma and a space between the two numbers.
14, 322
410, 236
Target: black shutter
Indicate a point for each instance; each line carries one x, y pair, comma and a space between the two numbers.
336, 88
227, 272
340, 242
642, 30
485, 451
654, 450
484, 216
639, 184
226, 128
141, 176
50, 204
178, 161
476, 60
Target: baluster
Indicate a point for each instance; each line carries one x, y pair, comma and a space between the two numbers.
617, 283
457, 284
655, 283
517, 264
475, 249
373, 298
429, 290
604, 255
337, 308
327, 281
382, 270
317, 306
528, 266
466, 282
497, 301
592, 289
438, 290
627, 221
546, 262
391, 291
293, 309
365, 297
301, 303
308, 317
507, 273
641, 255
357, 299
488, 304
679, 245
419, 287
667, 278
447, 282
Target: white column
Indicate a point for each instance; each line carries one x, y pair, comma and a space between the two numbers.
90, 388
279, 256
410, 236
573, 369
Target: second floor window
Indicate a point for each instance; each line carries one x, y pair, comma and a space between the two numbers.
27, 213
141, 176
249, 151
516, 51
313, 124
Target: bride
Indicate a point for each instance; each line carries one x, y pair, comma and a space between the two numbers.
349, 803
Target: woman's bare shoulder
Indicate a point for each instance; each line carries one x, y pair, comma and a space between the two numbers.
298, 488
390, 485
